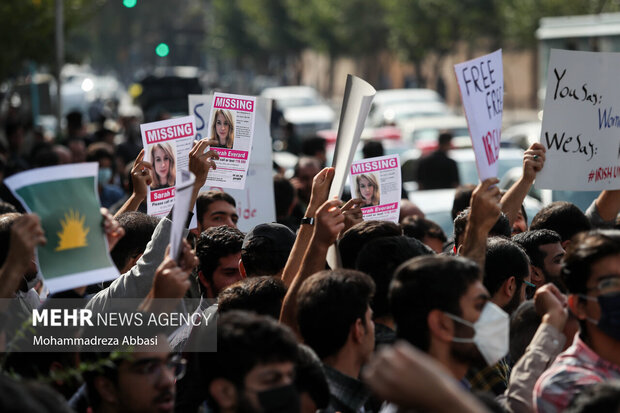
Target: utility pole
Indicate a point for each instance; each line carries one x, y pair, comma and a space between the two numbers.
60, 57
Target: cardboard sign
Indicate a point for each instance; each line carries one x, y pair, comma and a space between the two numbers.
167, 144
481, 82
377, 181
255, 203
65, 198
581, 123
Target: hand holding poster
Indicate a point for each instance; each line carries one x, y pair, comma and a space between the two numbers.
481, 82
255, 203
377, 181
65, 198
581, 122
166, 145
231, 127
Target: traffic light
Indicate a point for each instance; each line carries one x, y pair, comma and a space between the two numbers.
130, 3
162, 50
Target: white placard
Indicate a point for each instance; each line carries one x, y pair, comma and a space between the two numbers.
182, 200
231, 123
581, 122
377, 181
167, 144
358, 96
255, 203
481, 82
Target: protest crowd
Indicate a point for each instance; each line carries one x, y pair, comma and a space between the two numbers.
323, 310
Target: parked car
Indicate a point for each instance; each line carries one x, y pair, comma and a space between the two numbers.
303, 107
466, 161
582, 199
398, 113
403, 97
522, 135
437, 206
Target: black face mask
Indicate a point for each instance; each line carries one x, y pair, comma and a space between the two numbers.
609, 323
283, 399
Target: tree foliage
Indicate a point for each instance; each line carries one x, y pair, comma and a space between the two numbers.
27, 30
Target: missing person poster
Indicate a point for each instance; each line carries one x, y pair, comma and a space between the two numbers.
481, 82
231, 128
167, 144
65, 198
581, 123
256, 202
377, 181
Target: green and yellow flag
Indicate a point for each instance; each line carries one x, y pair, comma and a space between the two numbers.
66, 200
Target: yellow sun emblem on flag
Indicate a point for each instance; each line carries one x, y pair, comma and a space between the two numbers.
73, 233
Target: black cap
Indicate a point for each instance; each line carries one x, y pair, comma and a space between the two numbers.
274, 236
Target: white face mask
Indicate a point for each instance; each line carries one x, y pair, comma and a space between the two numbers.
491, 333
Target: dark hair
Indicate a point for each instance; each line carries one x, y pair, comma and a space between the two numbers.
207, 198
424, 284
6, 222
30, 396
328, 304
444, 138
306, 161
100, 150
524, 322
215, 243
379, 258
311, 145
355, 237
596, 398
562, 217
586, 249
139, 228
244, 340
418, 227
310, 377
284, 195
372, 149
462, 198
262, 295
531, 241
504, 259
6, 208
501, 227
266, 249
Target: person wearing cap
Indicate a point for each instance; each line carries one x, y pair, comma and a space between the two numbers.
265, 250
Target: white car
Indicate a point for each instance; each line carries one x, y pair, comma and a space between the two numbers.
385, 98
399, 113
466, 161
522, 135
427, 129
303, 107
437, 206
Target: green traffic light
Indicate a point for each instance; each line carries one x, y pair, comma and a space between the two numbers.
130, 3
162, 50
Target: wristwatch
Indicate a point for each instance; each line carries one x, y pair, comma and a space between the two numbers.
307, 220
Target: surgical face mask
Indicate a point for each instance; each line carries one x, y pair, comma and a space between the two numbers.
283, 399
491, 333
105, 174
609, 323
